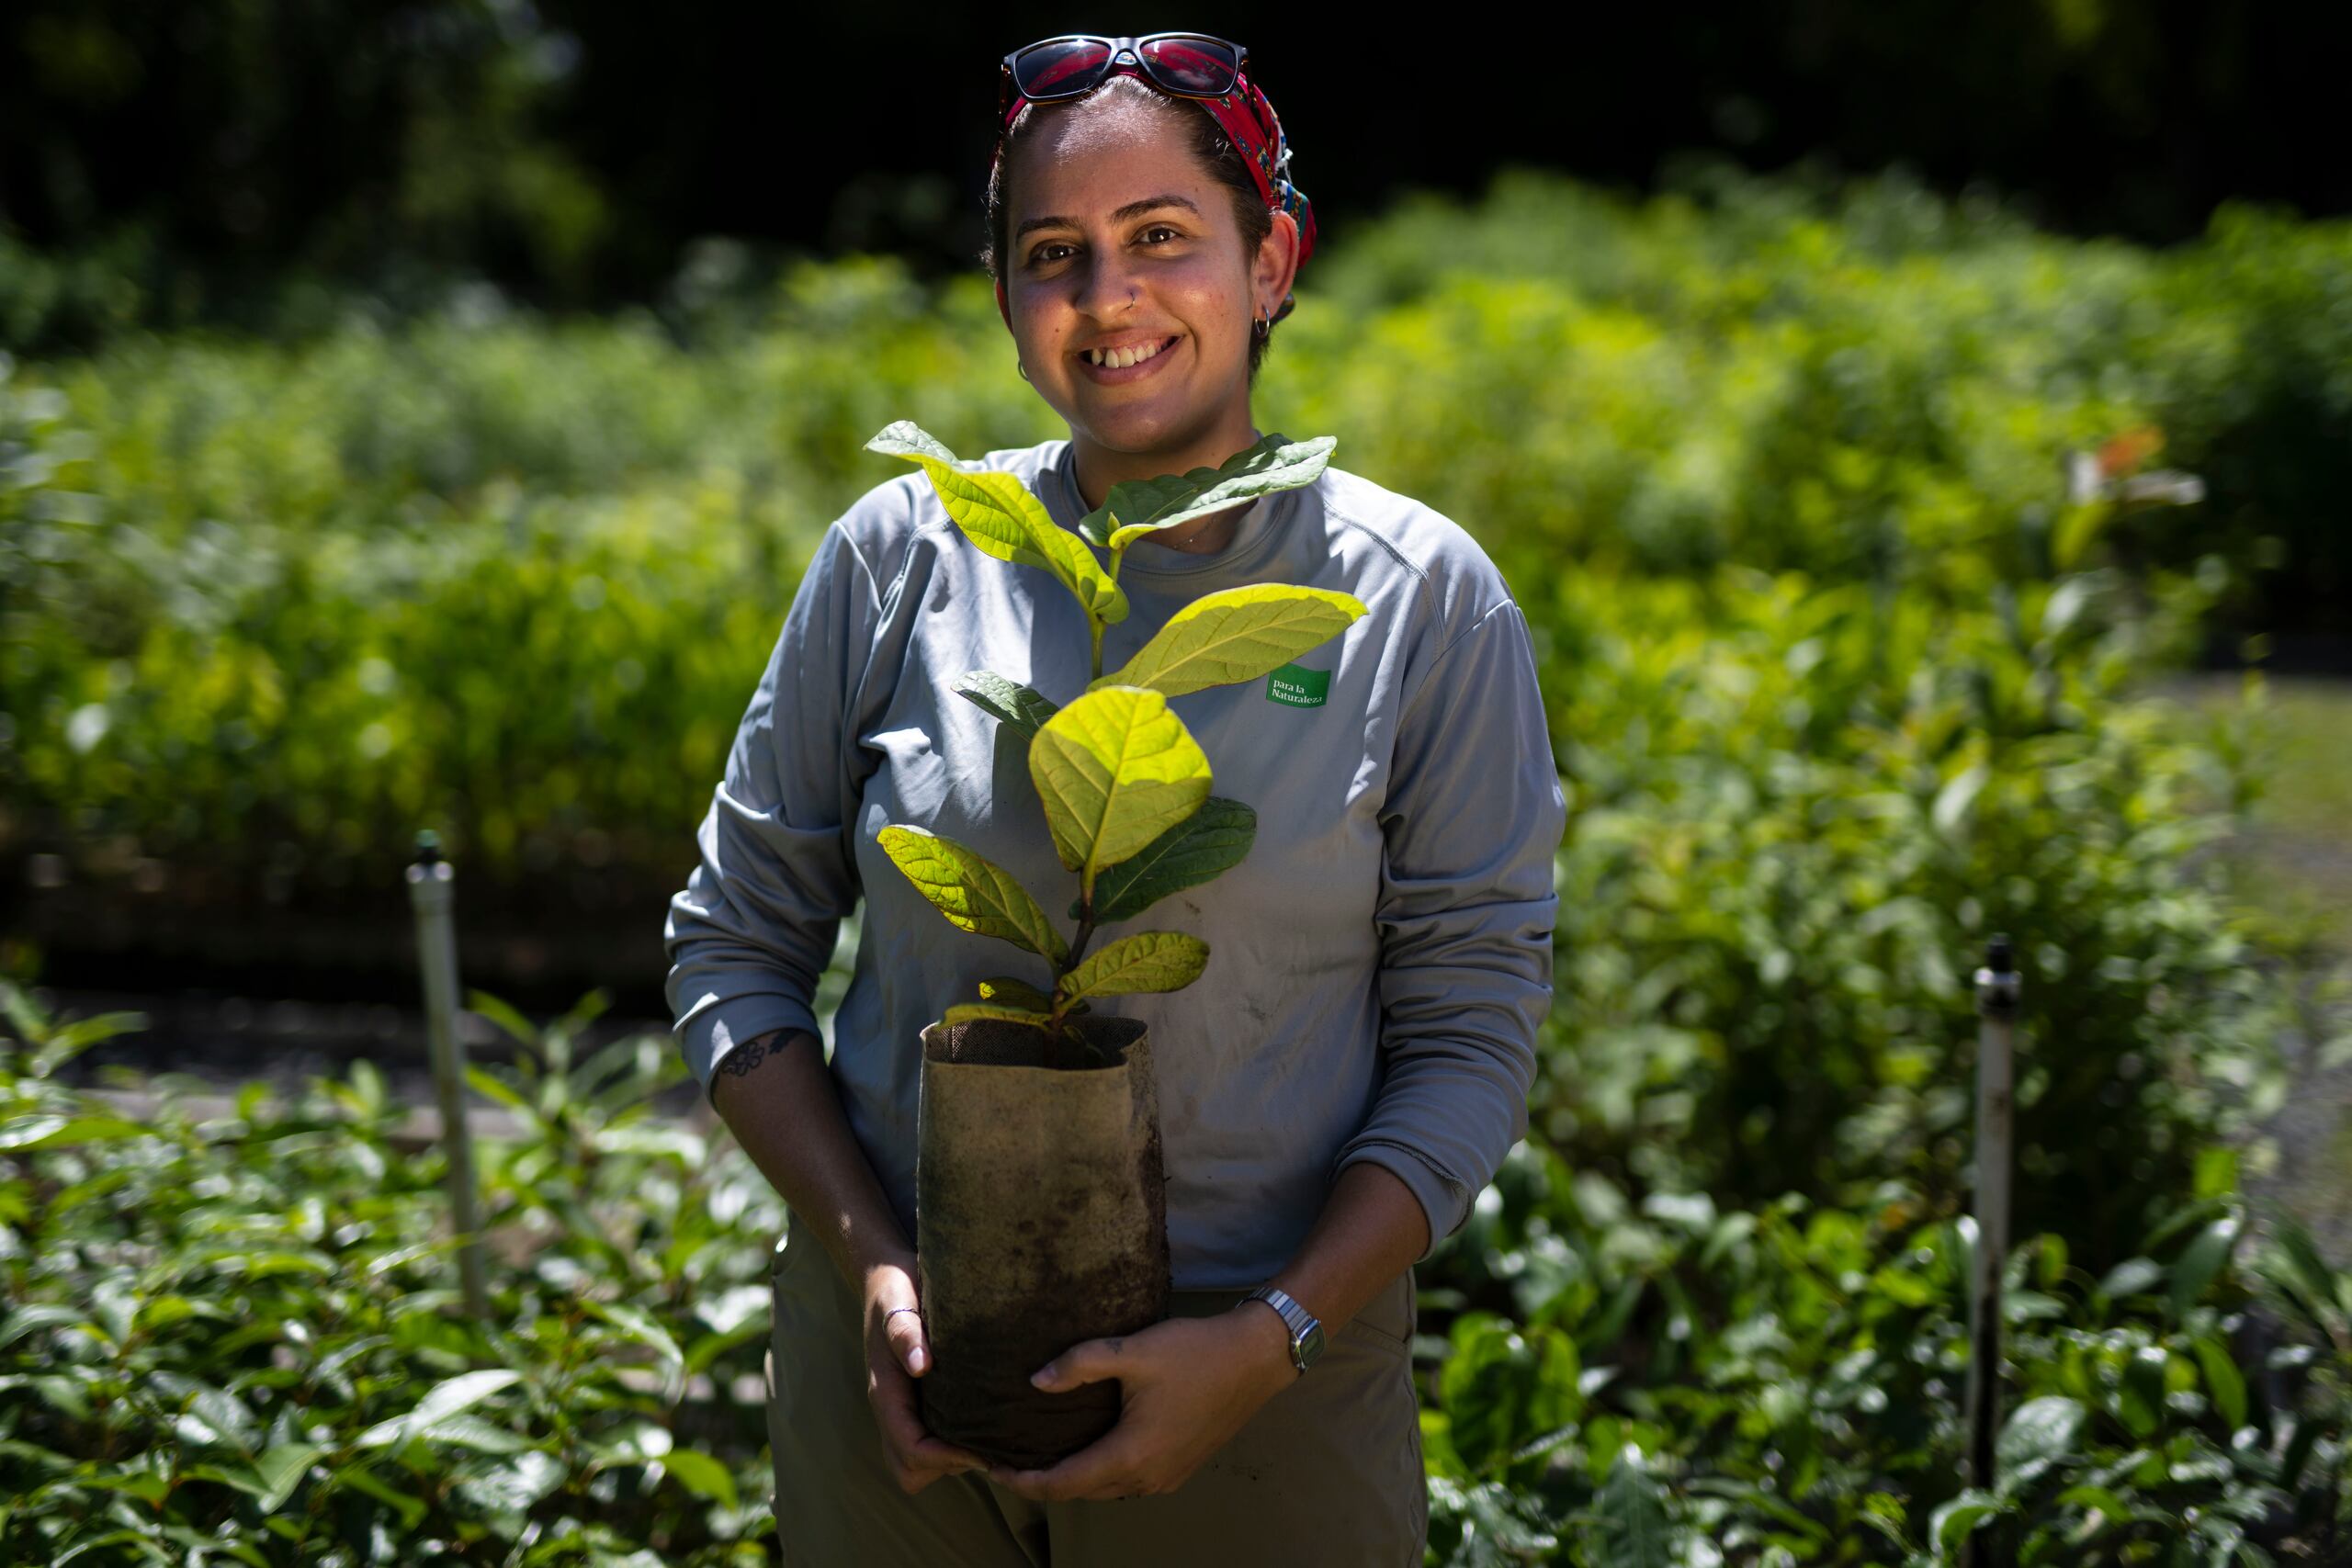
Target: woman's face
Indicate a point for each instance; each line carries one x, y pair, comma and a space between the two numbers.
1116, 238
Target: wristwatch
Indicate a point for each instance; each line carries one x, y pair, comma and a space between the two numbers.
1306, 1328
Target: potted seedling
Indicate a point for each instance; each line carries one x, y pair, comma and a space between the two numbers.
1040, 1209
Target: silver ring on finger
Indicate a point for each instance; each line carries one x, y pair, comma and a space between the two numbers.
896, 1311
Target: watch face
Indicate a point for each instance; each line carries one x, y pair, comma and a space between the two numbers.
1311, 1346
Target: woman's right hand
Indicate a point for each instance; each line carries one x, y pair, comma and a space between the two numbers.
898, 1352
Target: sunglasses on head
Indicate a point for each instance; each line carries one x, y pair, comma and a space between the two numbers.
1190, 66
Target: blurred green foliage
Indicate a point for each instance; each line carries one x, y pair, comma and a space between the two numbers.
253, 553
236, 1337
1675, 1383
1797, 812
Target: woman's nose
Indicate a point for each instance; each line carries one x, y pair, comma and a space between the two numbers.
1109, 288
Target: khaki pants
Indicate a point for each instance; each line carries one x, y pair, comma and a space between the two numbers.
1327, 1472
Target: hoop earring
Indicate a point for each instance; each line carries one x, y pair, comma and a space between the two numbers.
1022, 368
1264, 329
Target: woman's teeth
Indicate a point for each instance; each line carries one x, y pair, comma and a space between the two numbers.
1120, 358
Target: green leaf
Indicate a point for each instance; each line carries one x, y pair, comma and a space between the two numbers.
1957, 1520
63, 1132
1115, 769
516, 1487
1502, 1386
1011, 701
1137, 507
1952, 801
2077, 527
905, 438
963, 1012
2140, 1399
2095, 1499
1235, 634
281, 1469
1147, 961
636, 1323
461, 1392
2133, 1277
1006, 991
1000, 515
473, 1432
1630, 1517
975, 894
2199, 1262
360, 1478
2329, 1291
502, 1013
213, 1416
2038, 1434
499, 1089
2217, 1171
2223, 1376
41, 1314
1215, 838
702, 1475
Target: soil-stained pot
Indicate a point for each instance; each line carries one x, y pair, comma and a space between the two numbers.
1041, 1219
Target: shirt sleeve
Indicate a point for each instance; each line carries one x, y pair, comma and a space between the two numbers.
751, 932
1472, 822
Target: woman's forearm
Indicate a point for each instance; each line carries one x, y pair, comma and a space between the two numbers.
775, 1093
1370, 1231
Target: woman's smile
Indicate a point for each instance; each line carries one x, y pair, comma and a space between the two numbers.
1117, 374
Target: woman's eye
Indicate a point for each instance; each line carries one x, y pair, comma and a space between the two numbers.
1160, 229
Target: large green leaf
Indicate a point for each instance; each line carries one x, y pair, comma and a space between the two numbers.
975, 894
963, 1012
1214, 839
1143, 506
1000, 515
1235, 634
1115, 769
1147, 961
1011, 701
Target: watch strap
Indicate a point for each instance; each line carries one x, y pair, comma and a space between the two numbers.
1306, 1329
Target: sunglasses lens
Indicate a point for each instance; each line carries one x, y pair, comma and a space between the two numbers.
1192, 64
1042, 70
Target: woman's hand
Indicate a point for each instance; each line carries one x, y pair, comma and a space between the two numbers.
898, 1352
1186, 1386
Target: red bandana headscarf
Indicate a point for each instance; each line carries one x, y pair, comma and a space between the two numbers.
1250, 123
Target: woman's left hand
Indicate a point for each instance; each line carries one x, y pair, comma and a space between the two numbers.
1186, 1386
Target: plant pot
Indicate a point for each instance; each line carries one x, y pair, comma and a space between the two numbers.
1041, 1220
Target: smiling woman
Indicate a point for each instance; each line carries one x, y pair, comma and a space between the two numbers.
1333, 1100
1140, 288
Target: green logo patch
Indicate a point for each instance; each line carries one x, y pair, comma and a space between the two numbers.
1299, 687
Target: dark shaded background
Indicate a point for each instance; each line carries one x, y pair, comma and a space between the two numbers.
569, 153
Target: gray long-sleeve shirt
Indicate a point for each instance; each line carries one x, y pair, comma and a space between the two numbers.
1380, 960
